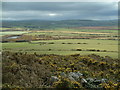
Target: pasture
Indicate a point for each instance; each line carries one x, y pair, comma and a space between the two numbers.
63, 41
66, 47
12, 33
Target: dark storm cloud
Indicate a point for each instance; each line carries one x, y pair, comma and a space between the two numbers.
59, 10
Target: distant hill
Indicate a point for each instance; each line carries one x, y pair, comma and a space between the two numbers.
44, 24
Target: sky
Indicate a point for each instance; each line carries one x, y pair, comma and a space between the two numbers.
59, 10
60, 0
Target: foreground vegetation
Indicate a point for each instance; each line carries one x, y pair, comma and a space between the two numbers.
62, 41
23, 70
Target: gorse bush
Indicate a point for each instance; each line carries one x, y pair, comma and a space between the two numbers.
35, 71
66, 83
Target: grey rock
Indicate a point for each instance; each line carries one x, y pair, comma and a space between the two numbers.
90, 79
83, 80
74, 75
63, 74
71, 78
97, 82
54, 79
103, 80
79, 74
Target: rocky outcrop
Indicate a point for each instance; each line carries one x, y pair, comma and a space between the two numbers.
78, 77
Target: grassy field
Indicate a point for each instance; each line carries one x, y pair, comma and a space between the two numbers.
12, 33
87, 30
66, 47
65, 31
68, 33
12, 28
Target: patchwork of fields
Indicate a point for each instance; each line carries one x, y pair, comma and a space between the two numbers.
32, 57
63, 41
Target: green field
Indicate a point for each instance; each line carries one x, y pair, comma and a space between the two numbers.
12, 28
87, 30
66, 47
12, 33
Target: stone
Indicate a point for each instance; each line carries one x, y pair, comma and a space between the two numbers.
97, 82
63, 74
79, 74
90, 79
103, 80
74, 75
54, 79
71, 78
83, 80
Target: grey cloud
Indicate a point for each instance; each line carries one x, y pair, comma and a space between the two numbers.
67, 10
54, 6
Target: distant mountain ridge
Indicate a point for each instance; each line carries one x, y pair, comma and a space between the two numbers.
58, 24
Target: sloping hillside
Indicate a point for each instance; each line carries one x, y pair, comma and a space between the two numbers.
58, 24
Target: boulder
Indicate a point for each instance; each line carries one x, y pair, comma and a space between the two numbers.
79, 74
54, 79
90, 79
71, 78
74, 75
63, 74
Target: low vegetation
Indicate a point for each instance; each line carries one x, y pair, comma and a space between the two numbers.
23, 70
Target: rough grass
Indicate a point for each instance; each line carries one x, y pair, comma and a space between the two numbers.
12, 28
12, 32
73, 32
66, 46
87, 30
